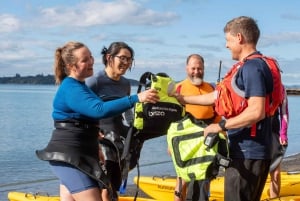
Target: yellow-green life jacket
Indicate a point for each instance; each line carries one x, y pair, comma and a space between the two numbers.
192, 159
153, 120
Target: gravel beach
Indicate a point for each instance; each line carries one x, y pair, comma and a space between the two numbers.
291, 163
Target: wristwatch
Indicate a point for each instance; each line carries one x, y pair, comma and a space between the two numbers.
222, 125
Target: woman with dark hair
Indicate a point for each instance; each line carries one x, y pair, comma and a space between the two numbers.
109, 84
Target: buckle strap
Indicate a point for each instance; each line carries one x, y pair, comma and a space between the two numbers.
74, 124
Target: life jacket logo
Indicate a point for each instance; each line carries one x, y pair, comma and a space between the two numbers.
156, 113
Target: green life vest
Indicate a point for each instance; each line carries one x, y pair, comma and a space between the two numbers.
153, 120
192, 158
150, 120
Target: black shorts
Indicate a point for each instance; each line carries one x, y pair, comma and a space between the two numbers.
114, 174
245, 179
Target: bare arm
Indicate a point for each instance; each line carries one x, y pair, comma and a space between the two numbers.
252, 114
206, 99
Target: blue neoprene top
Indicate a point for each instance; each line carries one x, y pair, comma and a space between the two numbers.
74, 100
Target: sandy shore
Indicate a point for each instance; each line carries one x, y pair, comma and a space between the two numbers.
289, 164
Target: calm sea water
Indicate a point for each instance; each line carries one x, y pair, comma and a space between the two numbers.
26, 125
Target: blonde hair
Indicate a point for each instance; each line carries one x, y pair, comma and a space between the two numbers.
64, 56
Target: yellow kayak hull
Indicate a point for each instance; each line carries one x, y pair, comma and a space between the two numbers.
20, 196
162, 188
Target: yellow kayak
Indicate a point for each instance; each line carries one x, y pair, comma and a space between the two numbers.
282, 198
20, 196
162, 188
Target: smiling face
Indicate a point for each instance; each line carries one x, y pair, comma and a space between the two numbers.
119, 64
233, 44
195, 70
83, 67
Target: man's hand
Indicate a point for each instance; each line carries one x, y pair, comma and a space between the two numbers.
212, 128
179, 98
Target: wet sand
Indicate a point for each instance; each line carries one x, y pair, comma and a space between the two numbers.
289, 164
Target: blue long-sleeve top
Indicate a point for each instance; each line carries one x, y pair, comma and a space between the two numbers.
74, 100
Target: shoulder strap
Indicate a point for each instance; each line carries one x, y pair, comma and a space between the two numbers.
253, 56
143, 80
130, 156
196, 121
264, 58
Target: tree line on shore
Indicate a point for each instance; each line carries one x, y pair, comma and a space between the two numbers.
39, 79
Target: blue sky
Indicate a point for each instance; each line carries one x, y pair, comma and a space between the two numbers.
162, 33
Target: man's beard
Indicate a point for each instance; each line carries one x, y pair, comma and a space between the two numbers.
196, 81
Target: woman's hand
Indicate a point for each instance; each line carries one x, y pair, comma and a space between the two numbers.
150, 96
283, 141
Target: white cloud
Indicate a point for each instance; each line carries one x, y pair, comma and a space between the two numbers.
12, 52
280, 38
162, 34
290, 16
93, 13
8, 23
206, 47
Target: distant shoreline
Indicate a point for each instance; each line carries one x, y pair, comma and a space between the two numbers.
49, 80
293, 91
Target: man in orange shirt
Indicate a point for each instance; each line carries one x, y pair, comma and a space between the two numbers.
195, 85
